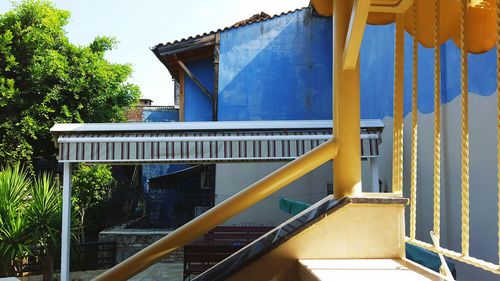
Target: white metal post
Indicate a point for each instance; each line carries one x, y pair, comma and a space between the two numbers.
374, 173
66, 223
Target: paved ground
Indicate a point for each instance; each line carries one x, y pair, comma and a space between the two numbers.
159, 271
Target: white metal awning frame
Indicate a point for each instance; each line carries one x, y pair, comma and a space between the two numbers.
200, 142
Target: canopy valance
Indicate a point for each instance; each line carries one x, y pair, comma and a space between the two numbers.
200, 142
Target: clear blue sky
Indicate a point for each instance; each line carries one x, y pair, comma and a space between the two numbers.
139, 25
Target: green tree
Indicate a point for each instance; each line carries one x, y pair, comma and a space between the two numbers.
44, 79
91, 187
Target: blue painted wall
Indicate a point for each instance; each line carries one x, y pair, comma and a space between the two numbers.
198, 107
377, 73
277, 69
281, 69
160, 115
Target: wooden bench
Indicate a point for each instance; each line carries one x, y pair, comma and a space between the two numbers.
217, 245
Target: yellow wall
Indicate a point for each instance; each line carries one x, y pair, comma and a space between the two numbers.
354, 231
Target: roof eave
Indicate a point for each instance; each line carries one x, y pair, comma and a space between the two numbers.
169, 52
186, 45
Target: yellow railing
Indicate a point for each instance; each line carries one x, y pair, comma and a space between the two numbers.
463, 256
222, 212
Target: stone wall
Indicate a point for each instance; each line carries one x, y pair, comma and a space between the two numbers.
131, 241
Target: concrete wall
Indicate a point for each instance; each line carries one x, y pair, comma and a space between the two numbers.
277, 69
231, 178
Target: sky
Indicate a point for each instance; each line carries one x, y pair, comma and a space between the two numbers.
140, 25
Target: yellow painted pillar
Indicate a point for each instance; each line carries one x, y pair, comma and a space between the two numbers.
346, 109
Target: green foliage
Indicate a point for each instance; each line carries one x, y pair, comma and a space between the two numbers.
44, 213
30, 218
44, 79
14, 229
14, 183
91, 187
91, 184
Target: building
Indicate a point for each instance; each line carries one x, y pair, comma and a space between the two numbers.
372, 226
291, 53
215, 76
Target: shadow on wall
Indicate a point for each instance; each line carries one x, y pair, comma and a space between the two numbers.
483, 179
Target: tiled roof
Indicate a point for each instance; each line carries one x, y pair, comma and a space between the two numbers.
253, 19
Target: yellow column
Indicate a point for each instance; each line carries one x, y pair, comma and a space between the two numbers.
346, 109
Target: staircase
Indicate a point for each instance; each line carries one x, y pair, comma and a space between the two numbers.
360, 238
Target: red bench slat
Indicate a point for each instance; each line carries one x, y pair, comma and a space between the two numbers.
218, 244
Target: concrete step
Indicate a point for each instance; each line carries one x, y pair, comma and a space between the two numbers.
364, 269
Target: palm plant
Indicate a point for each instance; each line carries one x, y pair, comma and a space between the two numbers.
30, 220
14, 231
44, 220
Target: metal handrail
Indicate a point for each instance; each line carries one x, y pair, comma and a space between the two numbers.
222, 212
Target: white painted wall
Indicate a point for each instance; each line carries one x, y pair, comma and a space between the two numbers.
483, 179
231, 178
